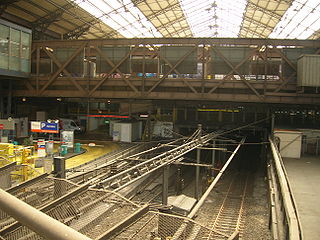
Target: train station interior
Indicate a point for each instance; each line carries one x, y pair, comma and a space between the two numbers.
159, 119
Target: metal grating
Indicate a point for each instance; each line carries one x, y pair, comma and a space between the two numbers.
155, 225
38, 194
91, 212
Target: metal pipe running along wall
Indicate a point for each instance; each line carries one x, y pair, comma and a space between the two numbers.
44, 225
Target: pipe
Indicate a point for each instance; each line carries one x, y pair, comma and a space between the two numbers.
44, 225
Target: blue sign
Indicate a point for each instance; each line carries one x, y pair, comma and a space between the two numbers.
49, 127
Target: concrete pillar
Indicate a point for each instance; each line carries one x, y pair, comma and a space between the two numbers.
165, 184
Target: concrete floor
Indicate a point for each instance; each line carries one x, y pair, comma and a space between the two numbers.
304, 177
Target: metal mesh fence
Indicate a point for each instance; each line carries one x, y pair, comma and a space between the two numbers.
161, 226
91, 212
38, 194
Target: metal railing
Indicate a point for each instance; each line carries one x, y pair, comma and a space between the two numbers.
284, 216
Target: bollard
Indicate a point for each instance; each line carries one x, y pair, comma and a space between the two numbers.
77, 148
64, 150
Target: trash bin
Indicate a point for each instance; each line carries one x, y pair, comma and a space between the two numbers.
64, 150
77, 148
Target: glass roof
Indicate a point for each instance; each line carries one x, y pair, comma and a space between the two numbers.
214, 18
208, 18
300, 21
122, 16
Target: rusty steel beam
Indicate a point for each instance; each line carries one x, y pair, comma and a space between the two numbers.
55, 75
182, 41
174, 82
172, 69
287, 98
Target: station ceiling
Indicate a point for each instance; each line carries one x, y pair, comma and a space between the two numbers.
88, 19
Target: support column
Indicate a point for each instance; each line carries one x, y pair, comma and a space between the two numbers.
213, 156
272, 124
165, 184
1, 101
197, 184
9, 103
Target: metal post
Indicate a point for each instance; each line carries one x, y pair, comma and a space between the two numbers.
44, 225
9, 103
1, 102
165, 185
272, 124
213, 155
197, 190
59, 167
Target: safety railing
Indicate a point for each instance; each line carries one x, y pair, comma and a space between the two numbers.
284, 219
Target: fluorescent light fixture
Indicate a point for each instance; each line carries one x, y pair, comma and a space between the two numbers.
201, 14
300, 21
122, 16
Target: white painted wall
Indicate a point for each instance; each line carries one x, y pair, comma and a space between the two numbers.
290, 143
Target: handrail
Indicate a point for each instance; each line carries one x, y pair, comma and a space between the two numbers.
291, 214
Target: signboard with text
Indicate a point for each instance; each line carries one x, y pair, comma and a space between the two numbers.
44, 127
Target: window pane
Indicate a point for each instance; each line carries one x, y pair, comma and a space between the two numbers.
4, 46
25, 66
15, 49
14, 64
25, 52
4, 61
25, 38
15, 35
4, 32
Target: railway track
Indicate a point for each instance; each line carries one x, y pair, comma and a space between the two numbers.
229, 215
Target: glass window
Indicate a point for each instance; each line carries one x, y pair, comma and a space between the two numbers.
4, 46
14, 64
15, 49
4, 32
25, 52
25, 39
4, 61
15, 35
25, 65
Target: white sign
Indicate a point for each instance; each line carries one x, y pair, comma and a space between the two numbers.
41, 148
67, 138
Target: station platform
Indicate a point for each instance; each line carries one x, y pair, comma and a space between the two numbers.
304, 178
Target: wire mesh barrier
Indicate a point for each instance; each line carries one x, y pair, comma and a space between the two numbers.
23, 173
90, 212
38, 194
4, 161
101, 165
161, 226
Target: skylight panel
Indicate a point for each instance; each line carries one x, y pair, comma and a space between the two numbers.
122, 16
300, 21
214, 18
